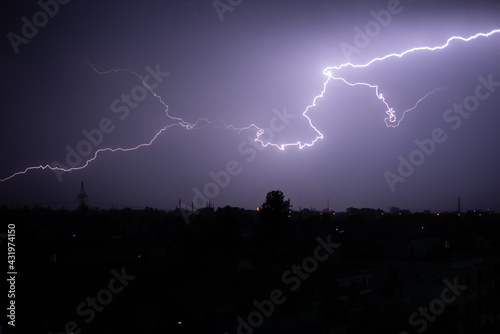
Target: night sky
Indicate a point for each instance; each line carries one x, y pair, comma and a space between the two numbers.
251, 62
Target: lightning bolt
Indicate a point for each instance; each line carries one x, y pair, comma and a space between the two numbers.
391, 120
200, 123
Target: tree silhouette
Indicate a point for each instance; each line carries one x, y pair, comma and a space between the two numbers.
275, 206
274, 214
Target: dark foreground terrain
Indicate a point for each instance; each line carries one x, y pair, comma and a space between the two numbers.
228, 271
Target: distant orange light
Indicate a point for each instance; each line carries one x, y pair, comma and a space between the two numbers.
258, 208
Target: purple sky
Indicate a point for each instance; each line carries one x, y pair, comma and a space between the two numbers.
265, 57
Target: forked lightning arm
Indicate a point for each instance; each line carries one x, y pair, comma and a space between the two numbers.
391, 120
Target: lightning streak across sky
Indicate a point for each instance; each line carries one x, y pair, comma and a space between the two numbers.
391, 120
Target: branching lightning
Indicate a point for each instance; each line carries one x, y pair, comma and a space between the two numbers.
391, 120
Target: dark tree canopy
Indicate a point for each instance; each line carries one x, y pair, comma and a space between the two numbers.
275, 208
